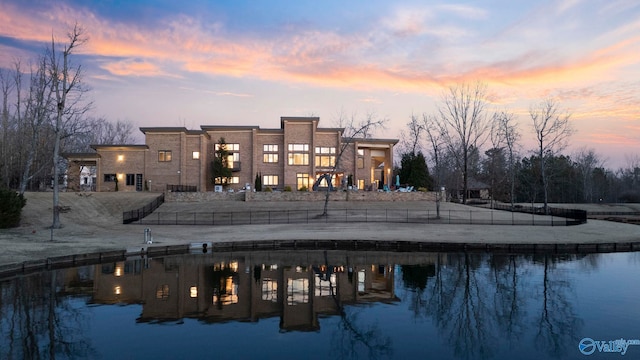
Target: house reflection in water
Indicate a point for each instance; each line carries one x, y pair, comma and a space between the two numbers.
218, 288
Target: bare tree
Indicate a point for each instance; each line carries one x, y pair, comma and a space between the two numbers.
353, 129
7, 87
553, 129
587, 161
411, 140
38, 108
67, 88
463, 124
435, 141
507, 127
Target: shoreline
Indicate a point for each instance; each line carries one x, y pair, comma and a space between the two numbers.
94, 225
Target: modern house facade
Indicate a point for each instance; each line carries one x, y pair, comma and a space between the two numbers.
295, 156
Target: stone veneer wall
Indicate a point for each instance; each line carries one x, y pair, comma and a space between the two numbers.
300, 196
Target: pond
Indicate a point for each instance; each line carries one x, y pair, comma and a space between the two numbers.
328, 304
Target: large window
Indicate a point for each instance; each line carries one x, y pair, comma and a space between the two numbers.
233, 157
297, 291
270, 153
164, 155
270, 290
131, 179
270, 180
325, 156
298, 154
109, 177
302, 180
360, 159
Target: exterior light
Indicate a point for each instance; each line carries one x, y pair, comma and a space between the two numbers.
120, 157
193, 292
117, 290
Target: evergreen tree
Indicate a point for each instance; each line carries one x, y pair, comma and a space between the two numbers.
220, 164
11, 204
414, 170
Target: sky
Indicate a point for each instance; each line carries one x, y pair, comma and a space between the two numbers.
199, 62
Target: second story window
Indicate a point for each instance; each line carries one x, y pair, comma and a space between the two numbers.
298, 154
164, 155
270, 153
325, 156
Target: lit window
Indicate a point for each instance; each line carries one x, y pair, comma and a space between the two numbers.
234, 180
325, 156
298, 154
360, 159
270, 180
228, 147
164, 155
195, 155
270, 158
270, 148
297, 291
302, 180
193, 291
270, 290
323, 287
162, 292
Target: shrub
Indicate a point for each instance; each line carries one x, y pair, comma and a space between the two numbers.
11, 205
287, 188
422, 189
267, 189
303, 188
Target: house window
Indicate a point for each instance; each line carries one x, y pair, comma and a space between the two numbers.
162, 292
270, 180
270, 290
109, 177
164, 155
325, 156
297, 291
234, 180
298, 154
270, 153
233, 157
131, 179
360, 159
302, 180
195, 155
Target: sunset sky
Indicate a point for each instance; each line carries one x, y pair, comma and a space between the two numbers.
192, 63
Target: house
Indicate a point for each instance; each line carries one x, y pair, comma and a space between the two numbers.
295, 155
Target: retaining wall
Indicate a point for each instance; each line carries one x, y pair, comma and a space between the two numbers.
300, 196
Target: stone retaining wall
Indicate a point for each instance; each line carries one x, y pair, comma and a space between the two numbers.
300, 196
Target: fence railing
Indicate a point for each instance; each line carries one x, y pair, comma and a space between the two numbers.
572, 216
134, 215
182, 188
267, 217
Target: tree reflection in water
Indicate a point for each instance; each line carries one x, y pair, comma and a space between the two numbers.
38, 320
480, 305
480, 300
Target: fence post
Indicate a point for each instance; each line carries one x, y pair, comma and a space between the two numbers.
158, 218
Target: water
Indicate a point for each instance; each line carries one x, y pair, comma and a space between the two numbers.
319, 305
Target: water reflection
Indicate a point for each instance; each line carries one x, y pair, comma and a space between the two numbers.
478, 305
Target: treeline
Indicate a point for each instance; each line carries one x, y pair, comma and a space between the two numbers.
469, 150
33, 118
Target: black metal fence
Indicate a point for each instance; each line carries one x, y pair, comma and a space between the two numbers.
134, 215
182, 188
572, 216
356, 215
